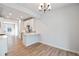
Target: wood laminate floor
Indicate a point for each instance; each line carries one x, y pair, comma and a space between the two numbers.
37, 49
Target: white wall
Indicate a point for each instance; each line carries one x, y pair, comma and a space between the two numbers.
60, 28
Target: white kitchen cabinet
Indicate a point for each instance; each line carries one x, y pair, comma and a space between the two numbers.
30, 38
3, 45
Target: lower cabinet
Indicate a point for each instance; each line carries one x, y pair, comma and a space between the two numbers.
29, 39
3, 45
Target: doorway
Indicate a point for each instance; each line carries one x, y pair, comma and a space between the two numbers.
10, 31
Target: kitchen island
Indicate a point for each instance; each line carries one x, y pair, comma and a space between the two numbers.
30, 38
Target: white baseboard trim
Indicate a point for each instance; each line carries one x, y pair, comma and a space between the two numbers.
30, 44
59, 47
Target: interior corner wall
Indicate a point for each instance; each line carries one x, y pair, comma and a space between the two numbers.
60, 28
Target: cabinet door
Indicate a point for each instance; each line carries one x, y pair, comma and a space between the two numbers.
31, 39
24, 40
3, 46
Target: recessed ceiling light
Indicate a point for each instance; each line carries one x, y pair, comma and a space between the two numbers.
7, 16
10, 13
21, 16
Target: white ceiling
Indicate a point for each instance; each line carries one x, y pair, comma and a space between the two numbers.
27, 9
34, 6
15, 14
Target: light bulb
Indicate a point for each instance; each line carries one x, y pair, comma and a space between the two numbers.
10, 13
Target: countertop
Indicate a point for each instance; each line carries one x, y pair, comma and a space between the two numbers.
30, 33
1, 34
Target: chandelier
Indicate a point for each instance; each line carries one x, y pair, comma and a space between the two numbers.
44, 7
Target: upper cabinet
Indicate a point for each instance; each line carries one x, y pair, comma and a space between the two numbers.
29, 26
